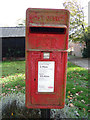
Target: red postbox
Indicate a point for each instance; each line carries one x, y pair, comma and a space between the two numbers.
47, 32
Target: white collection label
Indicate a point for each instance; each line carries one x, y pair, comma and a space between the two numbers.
46, 76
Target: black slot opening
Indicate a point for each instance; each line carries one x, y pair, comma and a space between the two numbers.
47, 30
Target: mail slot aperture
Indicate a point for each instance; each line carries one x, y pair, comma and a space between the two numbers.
47, 30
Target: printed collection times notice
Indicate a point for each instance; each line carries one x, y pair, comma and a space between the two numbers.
46, 76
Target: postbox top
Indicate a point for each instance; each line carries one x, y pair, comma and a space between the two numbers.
47, 17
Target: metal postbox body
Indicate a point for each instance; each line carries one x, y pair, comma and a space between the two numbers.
47, 32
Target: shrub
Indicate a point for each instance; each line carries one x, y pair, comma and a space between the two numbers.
85, 53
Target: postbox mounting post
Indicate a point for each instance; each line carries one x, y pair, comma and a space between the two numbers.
45, 114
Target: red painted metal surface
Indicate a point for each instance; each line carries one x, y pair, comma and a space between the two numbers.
46, 31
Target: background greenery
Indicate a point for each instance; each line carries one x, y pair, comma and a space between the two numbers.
79, 30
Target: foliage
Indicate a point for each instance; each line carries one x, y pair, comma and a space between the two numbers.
85, 53
13, 108
78, 30
86, 38
77, 24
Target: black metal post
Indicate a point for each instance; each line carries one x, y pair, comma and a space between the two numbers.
45, 114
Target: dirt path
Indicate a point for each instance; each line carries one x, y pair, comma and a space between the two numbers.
82, 62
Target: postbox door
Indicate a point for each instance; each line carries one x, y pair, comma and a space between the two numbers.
46, 83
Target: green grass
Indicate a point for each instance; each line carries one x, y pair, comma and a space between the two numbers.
13, 77
77, 88
13, 81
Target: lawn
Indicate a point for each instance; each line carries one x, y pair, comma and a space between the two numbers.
13, 77
13, 81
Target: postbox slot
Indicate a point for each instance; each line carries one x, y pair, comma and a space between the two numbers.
47, 30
